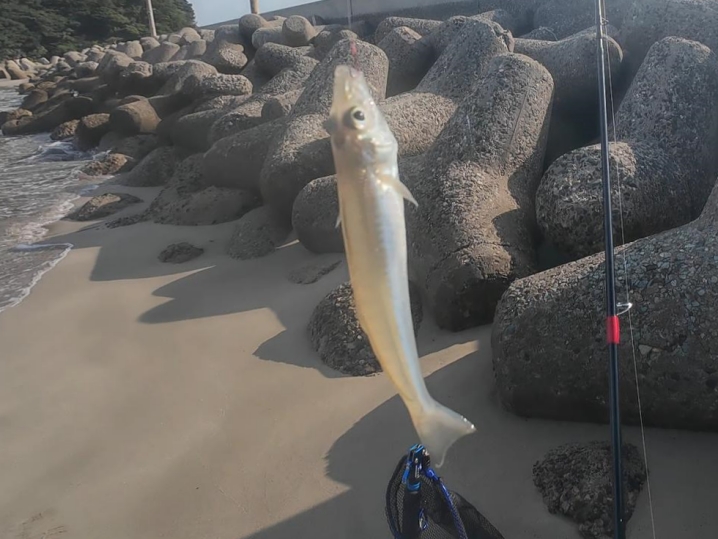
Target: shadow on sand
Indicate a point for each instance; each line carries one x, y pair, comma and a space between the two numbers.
500, 454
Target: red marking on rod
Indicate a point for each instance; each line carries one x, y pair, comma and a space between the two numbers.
613, 330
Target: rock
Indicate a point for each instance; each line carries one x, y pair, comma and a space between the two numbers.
182, 72
302, 153
102, 206
314, 217
51, 117
244, 116
416, 118
272, 34
423, 27
16, 72
95, 55
85, 84
339, 339
297, 31
111, 66
179, 253
575, 480
189, 35
409, 59
229, 33
25, 88
86, 69
279, 106
65, 131
4, 75
73, 58
166, 128
290, 78
27, 65
257, 234
236, 161
34, 99
311, 273
222, 102
254, 74
137, 79
649, 21
325, 40
249, 113
188, 201
542, 370
227, 57
13, 115
191, 131
501, 17
542, 33
155, 169
472, 233
174, 38
221, 84
665, 156
206, 34
250, 23
572, 64
210, 206
90, 130
111, 163
196, 49
149, 43
163, 53
137, 146
134, 118
273, 58
134, 49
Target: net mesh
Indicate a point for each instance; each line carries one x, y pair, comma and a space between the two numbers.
441, 513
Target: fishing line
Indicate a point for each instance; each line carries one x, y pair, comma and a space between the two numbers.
627, 286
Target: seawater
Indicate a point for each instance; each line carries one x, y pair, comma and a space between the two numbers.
38, 182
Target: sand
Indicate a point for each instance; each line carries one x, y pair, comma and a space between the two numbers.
5, 83
148, 400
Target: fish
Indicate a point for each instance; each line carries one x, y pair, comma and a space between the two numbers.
371, 214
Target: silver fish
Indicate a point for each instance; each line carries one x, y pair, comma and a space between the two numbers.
371, 212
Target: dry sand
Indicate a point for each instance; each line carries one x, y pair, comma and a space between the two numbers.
5, 83
148, 400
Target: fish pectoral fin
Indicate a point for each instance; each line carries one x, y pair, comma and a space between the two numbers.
339, 220
403, 190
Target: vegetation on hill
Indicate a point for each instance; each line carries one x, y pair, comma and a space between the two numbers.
36, 28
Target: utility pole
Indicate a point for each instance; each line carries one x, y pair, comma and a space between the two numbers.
254, 6
151, 14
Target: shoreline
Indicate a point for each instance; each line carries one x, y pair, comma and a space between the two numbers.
12, 83
163, 389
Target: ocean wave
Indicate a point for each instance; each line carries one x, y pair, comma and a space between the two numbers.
39, 182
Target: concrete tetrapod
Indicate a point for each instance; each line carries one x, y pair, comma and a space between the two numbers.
472, 233
549, 335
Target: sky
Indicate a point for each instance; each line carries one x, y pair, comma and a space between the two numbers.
213, 11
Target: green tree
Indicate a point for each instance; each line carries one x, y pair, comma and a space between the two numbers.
46, 27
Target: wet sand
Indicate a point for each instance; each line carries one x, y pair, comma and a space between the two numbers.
147, 400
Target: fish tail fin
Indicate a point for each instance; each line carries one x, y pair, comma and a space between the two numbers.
439, 428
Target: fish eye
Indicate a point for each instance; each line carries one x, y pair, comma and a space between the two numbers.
354, 118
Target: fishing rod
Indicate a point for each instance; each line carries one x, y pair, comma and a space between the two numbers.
612, 324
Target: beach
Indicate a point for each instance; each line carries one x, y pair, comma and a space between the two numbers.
180, 354
146, 400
